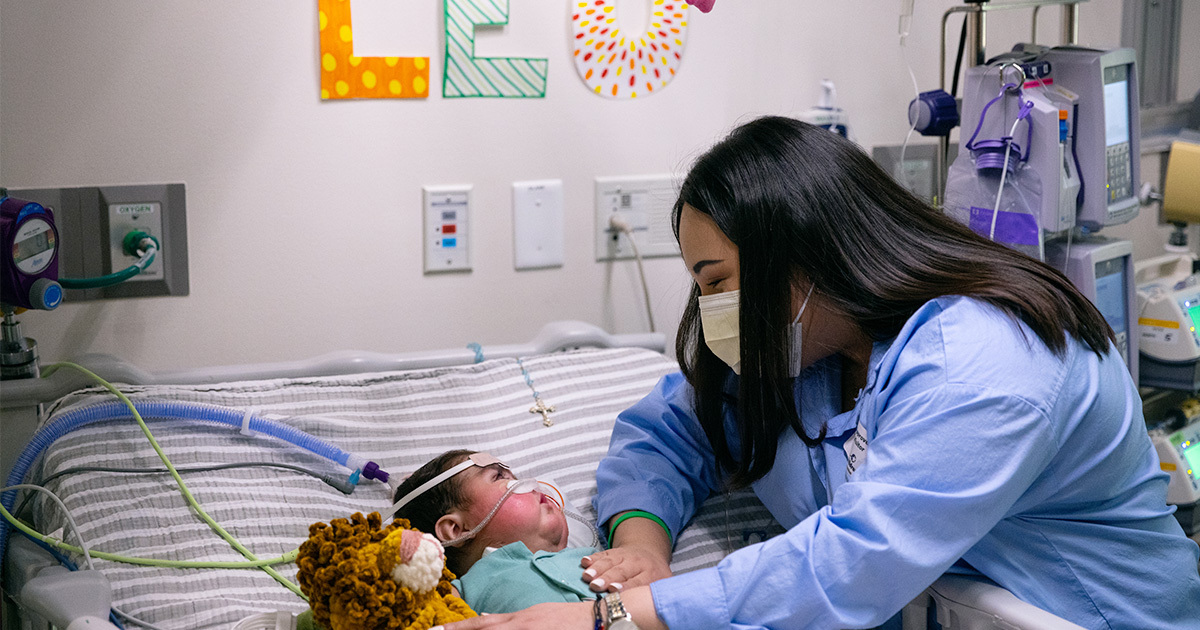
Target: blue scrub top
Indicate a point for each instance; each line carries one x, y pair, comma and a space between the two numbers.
985, 453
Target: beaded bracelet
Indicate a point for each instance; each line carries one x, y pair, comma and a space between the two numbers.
597, 613
638, 513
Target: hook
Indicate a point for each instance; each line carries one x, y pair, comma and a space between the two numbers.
1017, 84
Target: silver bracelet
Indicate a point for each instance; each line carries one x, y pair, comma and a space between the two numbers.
615, 616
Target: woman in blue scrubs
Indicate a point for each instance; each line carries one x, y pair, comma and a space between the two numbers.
906, 397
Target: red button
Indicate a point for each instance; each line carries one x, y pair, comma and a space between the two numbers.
449, 229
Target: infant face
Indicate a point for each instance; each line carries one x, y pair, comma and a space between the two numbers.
531, 518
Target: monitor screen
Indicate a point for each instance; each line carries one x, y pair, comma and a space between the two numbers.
1111, 294
1116, 104
1194, 314
1192, 455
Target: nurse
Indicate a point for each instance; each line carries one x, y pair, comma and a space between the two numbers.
907, 398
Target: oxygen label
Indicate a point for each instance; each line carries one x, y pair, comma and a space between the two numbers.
133, 208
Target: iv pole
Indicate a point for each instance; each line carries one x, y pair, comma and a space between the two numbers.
976, 48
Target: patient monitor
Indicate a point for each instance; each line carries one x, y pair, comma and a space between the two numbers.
1102, 269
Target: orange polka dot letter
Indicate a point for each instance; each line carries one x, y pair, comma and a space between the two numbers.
345, 76
619, 64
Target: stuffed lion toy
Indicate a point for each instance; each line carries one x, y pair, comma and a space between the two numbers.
359, 576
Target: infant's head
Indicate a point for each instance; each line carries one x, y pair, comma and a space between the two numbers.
457, 505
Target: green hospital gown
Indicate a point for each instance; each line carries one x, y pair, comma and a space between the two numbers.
512, 578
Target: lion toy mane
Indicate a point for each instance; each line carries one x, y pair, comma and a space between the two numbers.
360, 576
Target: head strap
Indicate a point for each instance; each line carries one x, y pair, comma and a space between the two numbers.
483, 460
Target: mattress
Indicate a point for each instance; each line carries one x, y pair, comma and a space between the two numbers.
398, 419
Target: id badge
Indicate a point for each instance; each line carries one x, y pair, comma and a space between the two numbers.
856, 450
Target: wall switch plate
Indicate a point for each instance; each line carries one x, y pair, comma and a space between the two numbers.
446, 236
92, 222
645, 203
538, 224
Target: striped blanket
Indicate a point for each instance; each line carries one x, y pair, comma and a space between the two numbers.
398, 419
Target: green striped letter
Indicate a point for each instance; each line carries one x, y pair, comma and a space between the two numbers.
466, 75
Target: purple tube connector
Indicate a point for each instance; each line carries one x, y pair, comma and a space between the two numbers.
373, 471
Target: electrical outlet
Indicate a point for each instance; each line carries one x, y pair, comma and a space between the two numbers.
645, 203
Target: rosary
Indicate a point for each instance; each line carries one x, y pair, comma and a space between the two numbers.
540, 407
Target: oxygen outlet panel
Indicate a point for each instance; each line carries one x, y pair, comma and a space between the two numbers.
92, 223
447, 213
124, 218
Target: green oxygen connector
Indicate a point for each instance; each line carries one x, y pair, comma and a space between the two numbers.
132, 243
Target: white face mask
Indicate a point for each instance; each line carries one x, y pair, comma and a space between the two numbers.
797, 340
720, 322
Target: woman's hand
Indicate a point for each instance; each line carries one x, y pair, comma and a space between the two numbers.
540, 617
622, 568
641, 554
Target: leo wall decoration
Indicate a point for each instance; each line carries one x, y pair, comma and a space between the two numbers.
466, 75
345, 76
612, 63
620, 64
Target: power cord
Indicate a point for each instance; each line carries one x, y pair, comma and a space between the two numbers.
337, 482
621, 225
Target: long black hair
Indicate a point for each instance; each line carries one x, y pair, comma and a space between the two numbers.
801, 202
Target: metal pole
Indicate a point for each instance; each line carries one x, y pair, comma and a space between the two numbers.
1070, 23
976, 38
976, 55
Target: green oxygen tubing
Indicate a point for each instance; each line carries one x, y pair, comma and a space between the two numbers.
75, 419
136, 243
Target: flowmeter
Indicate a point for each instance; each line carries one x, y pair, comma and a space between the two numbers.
30, 262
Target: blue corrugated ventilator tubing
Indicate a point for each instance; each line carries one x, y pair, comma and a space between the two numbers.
156, 409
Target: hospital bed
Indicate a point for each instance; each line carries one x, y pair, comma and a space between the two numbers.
399, 410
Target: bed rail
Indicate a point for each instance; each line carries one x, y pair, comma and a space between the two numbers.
553, 337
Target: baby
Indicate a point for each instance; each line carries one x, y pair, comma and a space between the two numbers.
505, 537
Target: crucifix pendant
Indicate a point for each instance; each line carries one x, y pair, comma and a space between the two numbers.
543, 409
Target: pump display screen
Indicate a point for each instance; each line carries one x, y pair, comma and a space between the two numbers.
1110, 293
1116, 105
1116, 132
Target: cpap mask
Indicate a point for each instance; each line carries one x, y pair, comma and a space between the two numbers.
579, 531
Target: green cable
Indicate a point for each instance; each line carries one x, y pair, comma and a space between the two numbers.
187, 495
109, 280
149, 562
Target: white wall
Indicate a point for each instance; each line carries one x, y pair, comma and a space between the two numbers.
304, 216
